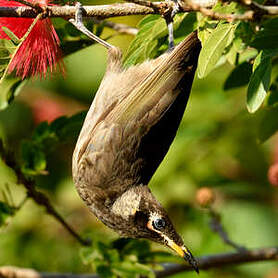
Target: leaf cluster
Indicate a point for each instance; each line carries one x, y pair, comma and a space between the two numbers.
122, 258
46, 138
250, 48
10, 85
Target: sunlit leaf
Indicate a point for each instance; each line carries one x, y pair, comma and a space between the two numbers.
10, 85
259, 82
213, 48
153, 33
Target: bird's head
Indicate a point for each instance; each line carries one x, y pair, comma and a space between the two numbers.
148, 219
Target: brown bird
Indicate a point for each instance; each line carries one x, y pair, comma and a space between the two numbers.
126, 134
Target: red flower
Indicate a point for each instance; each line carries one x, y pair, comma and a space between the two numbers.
41, 47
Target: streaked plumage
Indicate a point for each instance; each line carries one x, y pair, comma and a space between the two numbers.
126, 134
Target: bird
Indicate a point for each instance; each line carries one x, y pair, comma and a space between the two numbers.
127, 132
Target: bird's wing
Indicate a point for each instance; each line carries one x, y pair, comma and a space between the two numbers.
152, 112
133, 120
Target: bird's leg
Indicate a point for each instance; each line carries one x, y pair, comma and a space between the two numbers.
78, 23
170, 24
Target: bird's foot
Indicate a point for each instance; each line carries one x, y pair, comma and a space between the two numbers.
170, 24
78, 23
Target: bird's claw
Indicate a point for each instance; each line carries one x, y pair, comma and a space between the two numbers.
78, 20
170, 25
78, 23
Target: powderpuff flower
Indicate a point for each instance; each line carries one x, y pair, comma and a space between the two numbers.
41, 47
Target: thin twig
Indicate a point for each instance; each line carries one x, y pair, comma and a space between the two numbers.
271, 10
43, 200
189, 7
217, 227
119, 27
37, 196
204, 262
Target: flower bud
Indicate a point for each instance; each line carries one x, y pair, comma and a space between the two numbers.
205, 197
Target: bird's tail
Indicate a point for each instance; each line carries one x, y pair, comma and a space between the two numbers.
162, 82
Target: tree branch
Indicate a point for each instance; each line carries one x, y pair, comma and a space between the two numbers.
220, 260
141, 8
99, 11
40, 198
246, 16
205, 262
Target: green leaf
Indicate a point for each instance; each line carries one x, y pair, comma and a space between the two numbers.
6, 49
272, 97
34, 160
112, 255
152, 35
247, 55
68, 128
140, 248
237, 47
70, 30
129, 269
259, 82
267, 37
268, 123
150, 30
6, 211
45, 138
105, 271
11, 35
240, 76
90, 254
119, 258
230, 8
10, 86
188, 24
213, 47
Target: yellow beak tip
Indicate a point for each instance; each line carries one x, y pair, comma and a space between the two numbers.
186, 254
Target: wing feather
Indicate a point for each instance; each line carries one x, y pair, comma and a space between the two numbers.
133, 120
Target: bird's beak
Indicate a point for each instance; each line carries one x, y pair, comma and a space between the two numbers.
185, 253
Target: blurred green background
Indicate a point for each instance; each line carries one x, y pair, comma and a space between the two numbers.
216, 147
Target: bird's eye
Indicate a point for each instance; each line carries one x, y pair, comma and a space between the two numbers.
159, 223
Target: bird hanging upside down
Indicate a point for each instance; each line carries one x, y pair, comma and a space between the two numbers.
126, 134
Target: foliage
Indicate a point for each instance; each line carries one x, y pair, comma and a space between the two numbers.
219, 145
153, 34
47, 137
235, 42
5, 212
9, 85
121, 257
